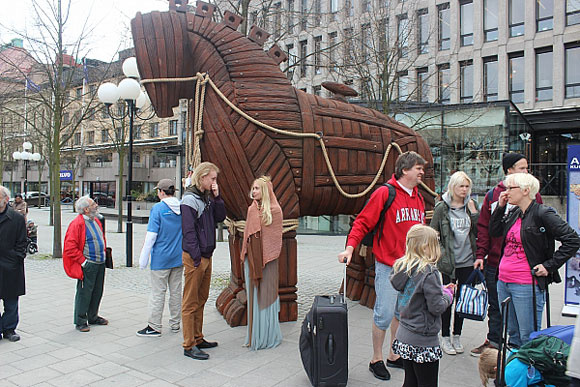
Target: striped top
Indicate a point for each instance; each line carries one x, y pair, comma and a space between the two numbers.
94, 249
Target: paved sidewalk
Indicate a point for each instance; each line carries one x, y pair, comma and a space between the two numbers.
53, 353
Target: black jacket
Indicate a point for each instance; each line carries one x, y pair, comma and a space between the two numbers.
541, 225
12, 254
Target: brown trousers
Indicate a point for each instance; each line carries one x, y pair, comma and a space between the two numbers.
195, 294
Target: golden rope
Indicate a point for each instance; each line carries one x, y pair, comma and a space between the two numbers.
240, 225
202, 79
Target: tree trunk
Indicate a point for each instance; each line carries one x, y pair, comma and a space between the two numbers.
120, 191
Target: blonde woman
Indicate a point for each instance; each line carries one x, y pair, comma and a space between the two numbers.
420, 302
455, 218
529, 232
260, 251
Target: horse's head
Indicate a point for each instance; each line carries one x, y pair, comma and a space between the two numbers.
162, 51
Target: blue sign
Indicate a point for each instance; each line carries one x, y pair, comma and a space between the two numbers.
572, 288
66, 175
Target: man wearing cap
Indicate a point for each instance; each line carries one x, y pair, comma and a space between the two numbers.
163, 247
489, 249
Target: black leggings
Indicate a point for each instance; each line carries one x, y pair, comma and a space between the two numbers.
420, 374
461, 276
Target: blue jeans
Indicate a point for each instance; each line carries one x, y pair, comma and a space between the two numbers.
384, 309
520, 314
9, 319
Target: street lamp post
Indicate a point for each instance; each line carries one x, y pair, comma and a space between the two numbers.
26, 156
128, 90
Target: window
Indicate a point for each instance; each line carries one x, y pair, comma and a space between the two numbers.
444, 29
277, 19
444, 75
291, 60
403, 35
365, 6
91, 137
423, 31
544, 73
366, 88
173, 128
154, 130
349, 8
572, 71
290, 17
137, 132
77, 139
383, 35
79, 92
544, 15
332, 42
347, 46
490, 79
317, 13
65, 119
303, 14
466, 24
422, 85
316, 90
318, 55
516, 78
403, 86
572, 12
104, 135
466, 81
516, 17
302, 58
490, 20
365, 40
254, 18
333, 9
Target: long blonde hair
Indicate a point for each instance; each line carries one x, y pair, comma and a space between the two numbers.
422, 250
487, 365
266, 208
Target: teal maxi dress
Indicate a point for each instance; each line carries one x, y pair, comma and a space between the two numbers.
263, 300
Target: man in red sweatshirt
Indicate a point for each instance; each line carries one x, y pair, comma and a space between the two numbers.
489, 249
406, 210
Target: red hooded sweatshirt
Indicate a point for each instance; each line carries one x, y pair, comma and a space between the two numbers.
405, 212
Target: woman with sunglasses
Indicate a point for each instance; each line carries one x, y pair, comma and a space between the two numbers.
529, 231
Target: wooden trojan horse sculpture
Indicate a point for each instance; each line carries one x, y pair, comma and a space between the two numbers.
324, 155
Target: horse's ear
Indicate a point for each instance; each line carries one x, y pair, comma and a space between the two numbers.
204, 9
232, 20
258, 35
277, 54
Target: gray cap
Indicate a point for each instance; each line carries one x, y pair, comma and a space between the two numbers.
165, 184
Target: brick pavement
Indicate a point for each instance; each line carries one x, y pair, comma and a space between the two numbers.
53, 353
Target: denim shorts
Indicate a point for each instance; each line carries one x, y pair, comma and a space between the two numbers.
384, 309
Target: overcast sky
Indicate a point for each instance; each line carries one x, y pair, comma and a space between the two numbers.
109, 19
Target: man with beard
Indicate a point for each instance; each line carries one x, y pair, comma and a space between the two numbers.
84, 260
12, 254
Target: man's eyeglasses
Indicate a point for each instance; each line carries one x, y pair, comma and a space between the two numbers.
510, 188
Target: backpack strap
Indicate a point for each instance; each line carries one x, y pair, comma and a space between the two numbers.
388, 203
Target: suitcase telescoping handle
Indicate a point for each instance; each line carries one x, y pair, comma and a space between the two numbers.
344, 284
534, 303
502, 350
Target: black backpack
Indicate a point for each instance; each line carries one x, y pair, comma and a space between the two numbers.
369, 238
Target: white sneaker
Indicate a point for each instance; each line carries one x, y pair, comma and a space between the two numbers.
457, 344
447, 347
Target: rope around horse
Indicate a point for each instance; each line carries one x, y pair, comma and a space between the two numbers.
203, 79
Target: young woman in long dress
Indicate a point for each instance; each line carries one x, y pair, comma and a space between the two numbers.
260, 251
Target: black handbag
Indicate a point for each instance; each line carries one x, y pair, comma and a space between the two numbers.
108, 258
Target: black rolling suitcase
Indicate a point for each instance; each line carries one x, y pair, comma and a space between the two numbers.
324, 341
